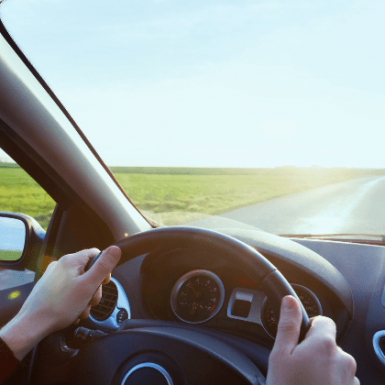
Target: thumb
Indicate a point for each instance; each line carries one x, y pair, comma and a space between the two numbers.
289, 325
103, 266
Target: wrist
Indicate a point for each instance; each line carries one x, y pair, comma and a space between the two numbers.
22, 334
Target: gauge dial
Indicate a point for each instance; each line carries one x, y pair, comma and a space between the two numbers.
197, 296
308, 299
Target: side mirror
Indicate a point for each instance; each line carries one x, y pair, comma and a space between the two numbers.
12, 239
20, 236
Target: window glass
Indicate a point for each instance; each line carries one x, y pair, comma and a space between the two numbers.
19, 193
225, 113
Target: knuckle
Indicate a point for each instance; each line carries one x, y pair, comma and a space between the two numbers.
65, 259
51, 266
93, 251
331, 325
350, 363
328, 345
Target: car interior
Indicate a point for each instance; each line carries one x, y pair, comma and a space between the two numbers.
145, 318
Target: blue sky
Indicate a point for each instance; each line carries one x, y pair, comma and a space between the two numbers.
215, 83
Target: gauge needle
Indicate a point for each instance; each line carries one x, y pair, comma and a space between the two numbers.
196, 294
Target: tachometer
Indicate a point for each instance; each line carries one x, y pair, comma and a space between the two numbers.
197, 296
306, 296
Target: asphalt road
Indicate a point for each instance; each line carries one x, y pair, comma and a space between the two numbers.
355, 206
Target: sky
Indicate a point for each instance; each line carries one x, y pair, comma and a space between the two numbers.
211, 83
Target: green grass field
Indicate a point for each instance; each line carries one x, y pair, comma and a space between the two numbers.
177, 195
9, 255
19, 193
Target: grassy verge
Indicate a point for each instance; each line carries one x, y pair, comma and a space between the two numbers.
176, 198
9, 255
175, 195
19, 193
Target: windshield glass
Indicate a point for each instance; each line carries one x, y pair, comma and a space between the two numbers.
252, 114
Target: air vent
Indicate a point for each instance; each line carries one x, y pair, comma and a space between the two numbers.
107, 304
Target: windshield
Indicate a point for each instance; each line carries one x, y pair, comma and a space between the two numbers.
263, 115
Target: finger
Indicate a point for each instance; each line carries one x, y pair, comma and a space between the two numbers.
289, 325
356, 381
96, 297
80, 258
322, 327
347, 364
103, 266
85, 313
106, 279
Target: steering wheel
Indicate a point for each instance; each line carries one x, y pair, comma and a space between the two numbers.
165, 354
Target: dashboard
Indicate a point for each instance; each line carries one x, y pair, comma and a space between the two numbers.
180, 286
199, 295
343, 281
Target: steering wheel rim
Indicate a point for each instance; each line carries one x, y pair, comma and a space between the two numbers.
253, 263
250, 261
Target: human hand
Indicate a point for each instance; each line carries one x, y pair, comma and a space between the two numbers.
64, 294
94, 300
317, 360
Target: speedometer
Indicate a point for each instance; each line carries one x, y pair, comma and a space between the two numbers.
197, 296
306, 296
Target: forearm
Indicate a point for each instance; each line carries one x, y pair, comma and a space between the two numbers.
22, 334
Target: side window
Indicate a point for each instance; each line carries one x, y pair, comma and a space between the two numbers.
19, 193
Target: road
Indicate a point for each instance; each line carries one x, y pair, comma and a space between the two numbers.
355, 206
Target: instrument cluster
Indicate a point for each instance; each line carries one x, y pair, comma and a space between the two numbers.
199, 295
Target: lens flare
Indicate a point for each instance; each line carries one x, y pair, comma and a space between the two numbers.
15, 294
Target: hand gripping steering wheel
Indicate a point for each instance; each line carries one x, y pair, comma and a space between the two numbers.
170, 355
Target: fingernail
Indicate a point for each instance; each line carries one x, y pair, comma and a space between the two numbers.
114, 251
288, 303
